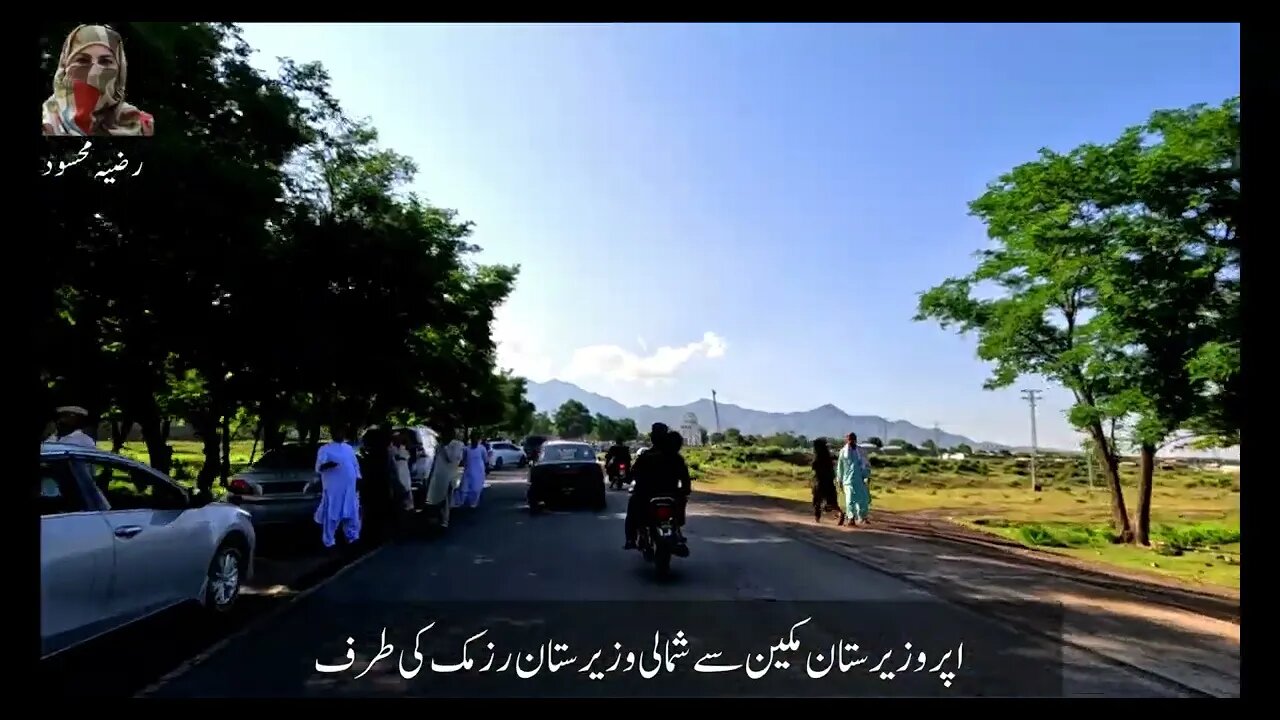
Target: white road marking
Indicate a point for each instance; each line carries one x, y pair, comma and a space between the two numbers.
767, 539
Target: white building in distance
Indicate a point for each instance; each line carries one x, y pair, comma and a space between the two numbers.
690, 430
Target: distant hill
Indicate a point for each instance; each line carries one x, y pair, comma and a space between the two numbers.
825, 421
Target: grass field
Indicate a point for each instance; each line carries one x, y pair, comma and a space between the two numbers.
1195, 512
188, 458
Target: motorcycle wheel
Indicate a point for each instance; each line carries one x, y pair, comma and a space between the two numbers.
662, 561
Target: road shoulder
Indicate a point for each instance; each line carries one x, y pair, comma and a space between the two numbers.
1183, 637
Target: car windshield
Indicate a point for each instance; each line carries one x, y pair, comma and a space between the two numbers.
567, 453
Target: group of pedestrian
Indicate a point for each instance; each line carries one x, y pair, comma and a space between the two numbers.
851, 471
372, 491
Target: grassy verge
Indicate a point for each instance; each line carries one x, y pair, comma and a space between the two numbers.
1195, 512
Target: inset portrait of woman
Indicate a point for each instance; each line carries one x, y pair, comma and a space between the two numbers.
88, 88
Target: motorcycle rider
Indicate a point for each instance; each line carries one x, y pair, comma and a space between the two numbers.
681, 470
656, 472
619, 454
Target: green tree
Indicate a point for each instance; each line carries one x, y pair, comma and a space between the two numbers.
542, 425
606, 429
573, 420
626, 430
876, 441
162, 305
733, 436
1047, 241
964, 448
717, 438
1174, 264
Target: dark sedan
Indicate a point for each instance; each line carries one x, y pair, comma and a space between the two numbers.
567, 471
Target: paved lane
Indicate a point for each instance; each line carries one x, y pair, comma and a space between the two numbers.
536, 591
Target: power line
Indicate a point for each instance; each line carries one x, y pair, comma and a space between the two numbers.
1031, 396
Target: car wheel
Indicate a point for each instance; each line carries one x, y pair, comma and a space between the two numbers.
497, 464
222, 586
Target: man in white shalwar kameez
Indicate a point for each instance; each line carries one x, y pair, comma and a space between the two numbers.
473, 472
444, 473
339, 471
67, 427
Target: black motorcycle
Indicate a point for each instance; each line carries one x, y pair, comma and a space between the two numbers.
660, 538
619, 475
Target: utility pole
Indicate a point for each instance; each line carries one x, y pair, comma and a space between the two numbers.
715, 408
1031, 396
937, 438
885, 438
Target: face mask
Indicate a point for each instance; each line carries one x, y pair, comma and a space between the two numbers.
92, 88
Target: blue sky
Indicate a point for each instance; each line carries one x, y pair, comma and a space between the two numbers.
750, 208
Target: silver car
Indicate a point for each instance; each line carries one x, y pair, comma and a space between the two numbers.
120, 542
281, 488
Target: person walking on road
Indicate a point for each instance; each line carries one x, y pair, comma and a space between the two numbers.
475, 464
853, 471
339, 471
824, 482
66, 428
442, 475
400, 458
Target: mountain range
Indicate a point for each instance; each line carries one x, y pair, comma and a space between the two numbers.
825, 421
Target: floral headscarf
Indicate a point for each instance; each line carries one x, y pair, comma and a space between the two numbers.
88, 99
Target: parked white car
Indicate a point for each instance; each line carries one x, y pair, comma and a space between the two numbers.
120, 542
506, 454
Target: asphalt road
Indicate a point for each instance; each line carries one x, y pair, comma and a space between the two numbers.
557, 591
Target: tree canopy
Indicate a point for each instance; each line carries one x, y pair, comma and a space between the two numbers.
1115, 271
268, 265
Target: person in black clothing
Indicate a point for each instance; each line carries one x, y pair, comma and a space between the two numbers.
824, 482
651, 475
681, 471
377, 483
619, 454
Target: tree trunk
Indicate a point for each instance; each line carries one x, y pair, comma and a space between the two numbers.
1143, 536
1111, 473
225, 465
146, 413
269, 428
120, 430
206, 426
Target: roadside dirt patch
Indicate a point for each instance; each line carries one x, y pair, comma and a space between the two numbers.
1218, 602
1187, 638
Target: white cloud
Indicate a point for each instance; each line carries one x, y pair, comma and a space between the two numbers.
519, 350
618, 363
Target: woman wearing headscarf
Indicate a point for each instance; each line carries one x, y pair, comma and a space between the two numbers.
88, 88
824, 482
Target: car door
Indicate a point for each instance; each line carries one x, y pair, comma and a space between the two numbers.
161, 546
77, 554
